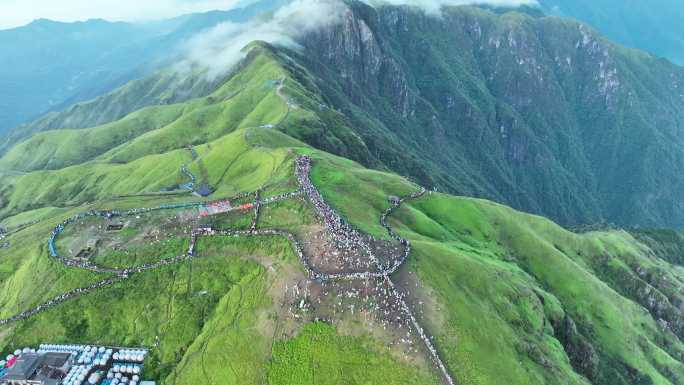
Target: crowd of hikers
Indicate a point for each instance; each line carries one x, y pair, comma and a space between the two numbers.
3, 235
344, 235
349, 238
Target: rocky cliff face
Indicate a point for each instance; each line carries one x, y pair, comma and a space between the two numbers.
540, 113
355, 50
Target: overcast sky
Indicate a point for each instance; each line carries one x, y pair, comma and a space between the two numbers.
14, 13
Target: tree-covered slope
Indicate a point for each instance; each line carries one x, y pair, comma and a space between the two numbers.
540, 113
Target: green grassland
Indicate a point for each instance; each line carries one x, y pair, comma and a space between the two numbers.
518, 298
27, 276
28, 217
215, 319
185, 299
134, 256
319, 355
290, 215
59, 148
234, 346
234, 166
509, 297
359, 194
237, 220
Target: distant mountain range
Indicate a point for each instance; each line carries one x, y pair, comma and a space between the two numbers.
49, 65
651, 25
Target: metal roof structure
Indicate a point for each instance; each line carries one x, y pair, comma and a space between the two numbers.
204, 190
38, 368
25, 367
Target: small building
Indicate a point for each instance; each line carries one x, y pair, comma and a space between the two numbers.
84, 254
38, 369
393, 199
88, 251
92, 243
23, 370
115, 226
204, 190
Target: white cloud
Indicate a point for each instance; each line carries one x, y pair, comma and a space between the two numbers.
15, 13
434, 6
219, 48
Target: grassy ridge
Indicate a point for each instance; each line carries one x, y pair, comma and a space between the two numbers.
255, 104
518, 298
609, 321
245, 100
235, 166
61, 148
90, 182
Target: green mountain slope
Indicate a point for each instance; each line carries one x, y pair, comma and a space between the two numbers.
258, 94
155, 90
159, 128
539, 113
508, 296
94, 181
515, 298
